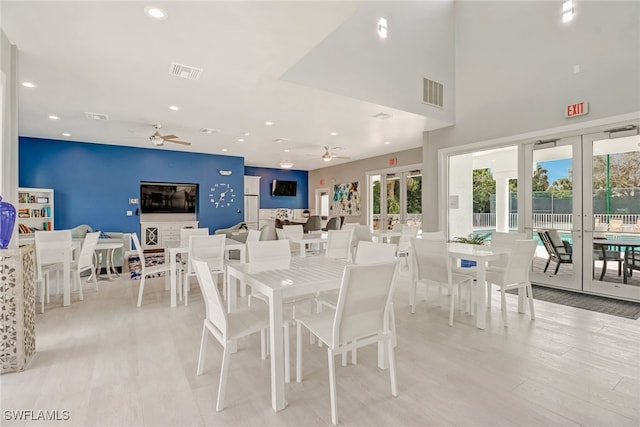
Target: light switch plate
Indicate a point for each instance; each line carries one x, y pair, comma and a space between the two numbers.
133, 201
129, 213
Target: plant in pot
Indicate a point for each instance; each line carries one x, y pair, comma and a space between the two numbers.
472, 239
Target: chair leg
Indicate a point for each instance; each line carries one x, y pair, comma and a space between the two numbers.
223, 378
287, 356
95, 278
343, 358
557, 268
141, 291
392, 369
547, 265
79, 282
41, 287
298, 352
203, 350
503, 304
185, 291
263, 344
489, 288
530, 294
332, 387
451, 304
392, 319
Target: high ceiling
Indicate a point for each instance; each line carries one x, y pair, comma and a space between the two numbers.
111, 58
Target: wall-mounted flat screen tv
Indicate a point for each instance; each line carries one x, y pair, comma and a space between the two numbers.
283, 188
168, 197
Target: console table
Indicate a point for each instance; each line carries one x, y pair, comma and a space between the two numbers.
18, 312
158, 235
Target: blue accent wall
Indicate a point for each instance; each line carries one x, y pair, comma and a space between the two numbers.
267, 201
93, 183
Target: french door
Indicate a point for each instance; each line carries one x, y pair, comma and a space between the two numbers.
585, 189
552, 187
395, 197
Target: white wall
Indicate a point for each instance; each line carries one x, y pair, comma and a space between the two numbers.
515, 72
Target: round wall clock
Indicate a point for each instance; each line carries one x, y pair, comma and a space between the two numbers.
222, 195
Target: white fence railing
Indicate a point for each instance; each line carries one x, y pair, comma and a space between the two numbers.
611, 222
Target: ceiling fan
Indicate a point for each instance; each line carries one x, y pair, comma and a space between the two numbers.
327, 156
159, 140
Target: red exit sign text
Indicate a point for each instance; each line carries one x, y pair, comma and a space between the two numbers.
577, 109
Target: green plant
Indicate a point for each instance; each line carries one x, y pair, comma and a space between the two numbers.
472, 239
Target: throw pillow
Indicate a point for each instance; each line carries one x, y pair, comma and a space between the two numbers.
104, 235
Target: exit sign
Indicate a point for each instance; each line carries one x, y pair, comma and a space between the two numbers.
577, 109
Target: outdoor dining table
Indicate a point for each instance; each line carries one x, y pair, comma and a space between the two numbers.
481, 255
304, 276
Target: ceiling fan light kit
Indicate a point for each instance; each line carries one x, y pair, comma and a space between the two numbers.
159, 140
286, 164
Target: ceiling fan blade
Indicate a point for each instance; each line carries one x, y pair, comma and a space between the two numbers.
169, 136
177, 142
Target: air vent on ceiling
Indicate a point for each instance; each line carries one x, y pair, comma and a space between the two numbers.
184, 71
96, 116
432, 93
382, 116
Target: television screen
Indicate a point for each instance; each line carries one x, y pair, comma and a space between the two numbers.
284, 188
168, 197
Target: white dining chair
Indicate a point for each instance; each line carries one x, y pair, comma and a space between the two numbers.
404, 240
49, 259
85, 260
276, 255
293, 232
210, 248
253, 236
360, 233
361, 318
225, 327
432, 266
501, 240
182, 265
515, 275
144, 269
339, 244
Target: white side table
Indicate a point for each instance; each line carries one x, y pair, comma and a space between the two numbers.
109, 248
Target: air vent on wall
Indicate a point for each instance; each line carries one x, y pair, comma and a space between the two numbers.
382, 116
432, 93
96, 116
184, 71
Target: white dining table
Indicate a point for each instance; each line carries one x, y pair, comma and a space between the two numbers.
171, 254
306, 275
384, 236
481, 255
109, 248
308, 239
67, 256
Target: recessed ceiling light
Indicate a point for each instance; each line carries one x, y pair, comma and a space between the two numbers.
387, 142
240, 140
333, 133
52, 117
29, 85
247, 134
155, 12
278, 140
286, 150
225, 150
207, 130
66, 134
268, 123
174, 108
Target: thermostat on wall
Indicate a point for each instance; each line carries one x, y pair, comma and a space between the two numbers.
224, 172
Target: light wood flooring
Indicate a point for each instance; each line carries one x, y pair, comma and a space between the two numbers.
112, 364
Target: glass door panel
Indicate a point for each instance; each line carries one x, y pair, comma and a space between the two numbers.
393, 200
553, 215
413, 211
612, 213
376, 201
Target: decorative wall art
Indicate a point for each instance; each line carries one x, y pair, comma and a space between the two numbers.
346, 200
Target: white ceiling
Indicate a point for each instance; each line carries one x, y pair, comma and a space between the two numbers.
111, 58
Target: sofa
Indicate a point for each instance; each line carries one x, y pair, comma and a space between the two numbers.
80, 231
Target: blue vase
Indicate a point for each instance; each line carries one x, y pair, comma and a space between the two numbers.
7, 221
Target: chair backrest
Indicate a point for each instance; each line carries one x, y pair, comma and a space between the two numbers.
295, 231
213, 302
375, 253
546, 241
431, 260
268, 255
253, 236
363, 302
209, 248
185, 233
362, 232
138, 248
504, 240
333, 223
85, 259
267, 232
408, 233
433, 235
350, 225
314, 223
47, 242
339, 244
519, 262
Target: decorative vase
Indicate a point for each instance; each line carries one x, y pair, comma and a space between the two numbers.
7, 221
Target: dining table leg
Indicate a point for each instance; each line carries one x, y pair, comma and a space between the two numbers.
172, 273
481, 301
276, 335
66, 282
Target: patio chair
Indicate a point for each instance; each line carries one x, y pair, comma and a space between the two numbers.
560, 251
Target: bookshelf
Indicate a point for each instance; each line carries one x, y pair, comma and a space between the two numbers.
35, 210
